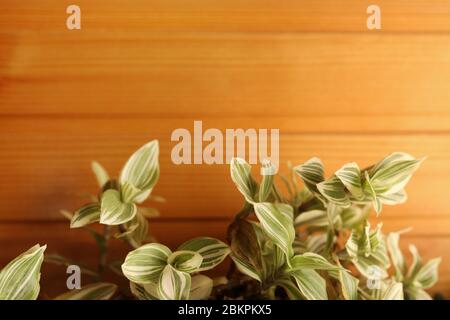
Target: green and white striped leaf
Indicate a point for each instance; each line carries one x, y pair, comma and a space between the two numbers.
354, 216
139, 224
428, 274
312, 218
19, 279
145, 264
316, 243
334, 191
368, 249
241, 175
392, 173
272, 257
393, 198
311, 284
277, 222
136, 230
174, 284
212, 250
140, 173
114, 211
100, 173
266, 187
393, 291
316, 219
379, 260
290, 288
396, 255
414, 293
246, 251
368, 188
311, 173
416, 263
87, 214
186, 261
311, 260
349, 285
201, 287
365, 242
148, 291
350, 176
94, 291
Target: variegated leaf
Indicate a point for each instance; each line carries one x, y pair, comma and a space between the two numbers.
201, 287
354, 216
393, 198
316, 243
174, 284
314, 219
368, 249
114, 211
428, 274
266, 187
87, 214
148, 291
100, 173
186, 261
368, 188
349, 285
140, 173
414, 293
350, 176
392, 173
136, 230
94, 291
19, 279
334, 191
273, 258
392, 242
311, 173
377, 261
241, 175
311, 284
246, 251
277, 222
352, 244
290, 288
145, 264
212, 250
393, 291
310, 260
416, 263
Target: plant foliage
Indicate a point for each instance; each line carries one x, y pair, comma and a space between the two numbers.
315, 243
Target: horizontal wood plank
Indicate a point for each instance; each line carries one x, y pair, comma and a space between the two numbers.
45, 166
339, 82
79, 246
227, 16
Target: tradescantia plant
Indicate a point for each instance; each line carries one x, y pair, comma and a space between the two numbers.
313, 243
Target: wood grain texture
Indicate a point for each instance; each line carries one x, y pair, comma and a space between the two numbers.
227, 16
48, 164
139, 69
362, 81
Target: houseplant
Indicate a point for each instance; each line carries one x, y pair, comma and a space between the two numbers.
314, 243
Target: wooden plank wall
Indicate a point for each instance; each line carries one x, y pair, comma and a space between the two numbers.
139, 69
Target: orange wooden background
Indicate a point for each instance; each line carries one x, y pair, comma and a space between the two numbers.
139, 69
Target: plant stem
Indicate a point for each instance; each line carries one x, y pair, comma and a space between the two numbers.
104, 250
